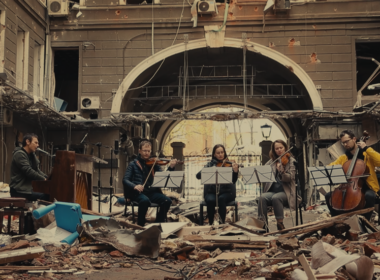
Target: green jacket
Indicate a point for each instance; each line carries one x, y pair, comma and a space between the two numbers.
24, 170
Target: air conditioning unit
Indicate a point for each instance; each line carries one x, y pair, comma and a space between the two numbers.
90, 102
282, 5
6, 117
206, 7
145, 127
58, 8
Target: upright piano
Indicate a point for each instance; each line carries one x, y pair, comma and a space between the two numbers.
71, 179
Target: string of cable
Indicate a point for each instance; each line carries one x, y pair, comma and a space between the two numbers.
162, 62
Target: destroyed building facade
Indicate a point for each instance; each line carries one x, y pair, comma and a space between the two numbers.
122, 70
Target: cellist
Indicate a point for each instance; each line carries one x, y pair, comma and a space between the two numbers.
371, 159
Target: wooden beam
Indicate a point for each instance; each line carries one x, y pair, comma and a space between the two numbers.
306, 267
20, 267
333, 219
21, 254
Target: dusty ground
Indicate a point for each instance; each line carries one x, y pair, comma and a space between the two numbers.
136, 273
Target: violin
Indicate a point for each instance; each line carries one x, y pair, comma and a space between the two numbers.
159, 161
349, 196
284, 158
227, 163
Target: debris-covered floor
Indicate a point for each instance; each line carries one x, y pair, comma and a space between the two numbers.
343, 247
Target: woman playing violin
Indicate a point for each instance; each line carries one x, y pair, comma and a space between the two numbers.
227, 192
282, 192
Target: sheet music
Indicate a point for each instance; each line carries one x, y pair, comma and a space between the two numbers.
216, 175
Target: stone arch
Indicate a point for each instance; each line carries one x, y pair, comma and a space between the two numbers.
228, 42
169, 125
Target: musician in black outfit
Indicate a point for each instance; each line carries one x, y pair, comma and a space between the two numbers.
137, 182
25, 169
227, 192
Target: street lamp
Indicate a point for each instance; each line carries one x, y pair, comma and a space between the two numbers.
266, 130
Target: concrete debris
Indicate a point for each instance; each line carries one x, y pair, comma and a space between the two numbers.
342, 247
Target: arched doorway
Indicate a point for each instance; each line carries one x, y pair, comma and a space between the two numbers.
242, 139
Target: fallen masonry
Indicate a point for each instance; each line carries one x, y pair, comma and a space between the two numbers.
342, 247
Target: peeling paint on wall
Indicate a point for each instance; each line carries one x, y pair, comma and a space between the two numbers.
293, 42
314, 59
231, 7
290, 68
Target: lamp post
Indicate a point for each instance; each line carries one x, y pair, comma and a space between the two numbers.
266, 130
265, 145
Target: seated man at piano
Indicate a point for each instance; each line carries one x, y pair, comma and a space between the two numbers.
137, 182
371, 159
25, 169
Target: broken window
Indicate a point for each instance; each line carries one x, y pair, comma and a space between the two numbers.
66, 70
22, 56
366, 68
38, 70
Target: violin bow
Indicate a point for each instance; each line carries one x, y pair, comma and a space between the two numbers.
231, 150
147, 177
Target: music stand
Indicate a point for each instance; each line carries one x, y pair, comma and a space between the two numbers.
257, 174
168, 179
218, 176
328, 175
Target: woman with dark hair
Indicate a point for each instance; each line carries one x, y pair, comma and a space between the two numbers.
227, 192
282, 192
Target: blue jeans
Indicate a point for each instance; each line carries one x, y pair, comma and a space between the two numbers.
144, 201
121, 200
223, 199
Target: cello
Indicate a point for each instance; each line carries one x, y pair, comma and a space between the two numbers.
349, 196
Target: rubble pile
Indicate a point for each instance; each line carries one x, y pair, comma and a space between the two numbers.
342, 247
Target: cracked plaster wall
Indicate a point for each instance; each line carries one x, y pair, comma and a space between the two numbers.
322, 46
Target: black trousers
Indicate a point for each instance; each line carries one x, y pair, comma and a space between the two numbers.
223, 199
370, 199
30, 196
145, 200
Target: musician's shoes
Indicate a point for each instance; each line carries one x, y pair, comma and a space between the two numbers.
280, 226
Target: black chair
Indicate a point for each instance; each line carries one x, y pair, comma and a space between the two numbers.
232, 203
203, 203
135, 203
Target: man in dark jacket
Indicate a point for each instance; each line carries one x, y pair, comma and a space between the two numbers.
138, 188
25, 169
